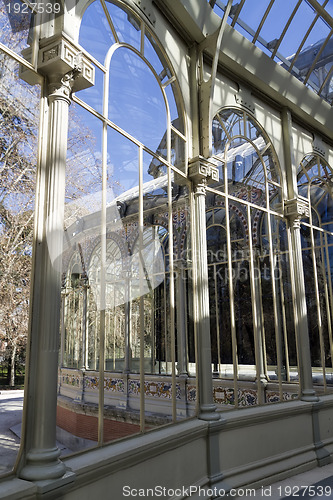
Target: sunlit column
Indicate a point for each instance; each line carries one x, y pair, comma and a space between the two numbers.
39, 455
200, 170
295, 208
181, 318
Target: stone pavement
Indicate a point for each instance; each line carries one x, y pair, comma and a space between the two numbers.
11, 404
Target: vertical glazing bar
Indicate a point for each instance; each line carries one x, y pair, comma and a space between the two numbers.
141, 311
62, 330
127, 322
70, 331
95, 340
327, 301
171, 270
277, 326
261, 318
80, 341
284, 318
217, 320
69, 328
293, 294
84, 326
256, 310
172, 299
102, 290
115, 328
319, 316
166, 329
194, 302
329, 280
232, 303
152, 331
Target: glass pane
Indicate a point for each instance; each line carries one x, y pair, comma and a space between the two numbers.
80, 319
126, 24
296, 31
219, 293
136, 102
154, 55
251, 161
93, 96
241, 286
15, 18
95, 33
171, 91
276, 20
123, 171
285, 290
253, 11
19, 121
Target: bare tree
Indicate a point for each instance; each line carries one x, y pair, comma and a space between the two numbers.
19, 120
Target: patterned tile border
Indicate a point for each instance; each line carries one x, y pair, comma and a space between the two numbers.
163, 390
154, 389
191, 393
110, 384
72, 379
274, 397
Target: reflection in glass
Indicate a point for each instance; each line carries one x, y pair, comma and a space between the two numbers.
251, 164
95, 33
80, 316
248, 261
127, 25
19, 118
136, 101
124, 341
15, 25
314, 183
93, 96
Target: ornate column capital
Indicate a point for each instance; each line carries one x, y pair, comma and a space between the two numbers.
62, 88
295, 209
61, 61
202, 171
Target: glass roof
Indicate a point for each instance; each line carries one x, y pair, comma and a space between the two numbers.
297, 34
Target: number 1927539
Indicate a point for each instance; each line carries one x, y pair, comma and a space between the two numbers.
36, 7
305, 491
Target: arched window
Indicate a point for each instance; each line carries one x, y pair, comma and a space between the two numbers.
251, 170
315, 184
128, 195
248, 263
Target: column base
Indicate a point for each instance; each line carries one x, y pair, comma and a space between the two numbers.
309, 395
42, 465
55, 488
208, 413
